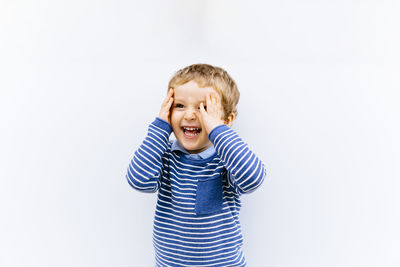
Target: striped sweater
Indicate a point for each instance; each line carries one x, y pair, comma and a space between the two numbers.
196, 220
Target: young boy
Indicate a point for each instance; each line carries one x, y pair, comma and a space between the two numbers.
200, 175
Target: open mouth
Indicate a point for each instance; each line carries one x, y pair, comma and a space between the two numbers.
191, 131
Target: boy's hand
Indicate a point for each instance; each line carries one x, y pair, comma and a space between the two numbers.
213, 116
166, 106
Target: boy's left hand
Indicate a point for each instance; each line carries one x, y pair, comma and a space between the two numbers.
212, 117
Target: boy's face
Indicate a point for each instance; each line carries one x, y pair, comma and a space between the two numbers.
185, 115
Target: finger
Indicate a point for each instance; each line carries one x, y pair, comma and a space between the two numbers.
169, 94
213, 102
166, 109
208, 101
215, 98
165, 101
170, 102
167, 98
202, 109
217, 101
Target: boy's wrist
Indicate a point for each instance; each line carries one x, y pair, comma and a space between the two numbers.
163, 124
162, 119
216, 131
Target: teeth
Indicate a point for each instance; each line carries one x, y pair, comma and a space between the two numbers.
191, 129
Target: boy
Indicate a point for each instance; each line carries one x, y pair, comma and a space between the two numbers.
200, 175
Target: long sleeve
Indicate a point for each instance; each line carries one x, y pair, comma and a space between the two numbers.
246, 171
145, 169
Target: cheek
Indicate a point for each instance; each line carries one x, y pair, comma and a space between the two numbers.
175, 119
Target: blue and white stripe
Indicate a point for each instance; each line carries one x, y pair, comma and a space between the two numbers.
182, 235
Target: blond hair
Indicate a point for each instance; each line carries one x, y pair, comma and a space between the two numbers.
210, 76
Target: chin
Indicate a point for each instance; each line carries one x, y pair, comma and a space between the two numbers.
190, 148
195, 149
195, 144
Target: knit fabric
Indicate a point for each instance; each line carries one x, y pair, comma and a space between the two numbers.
196, 220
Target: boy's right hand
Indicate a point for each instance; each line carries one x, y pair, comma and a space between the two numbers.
166, 106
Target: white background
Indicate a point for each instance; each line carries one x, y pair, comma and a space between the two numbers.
81, 80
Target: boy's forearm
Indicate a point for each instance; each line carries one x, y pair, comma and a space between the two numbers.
246, 169
144, 170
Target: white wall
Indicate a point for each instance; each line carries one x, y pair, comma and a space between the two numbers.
81, 80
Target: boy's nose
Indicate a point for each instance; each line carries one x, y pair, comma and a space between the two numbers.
190, 114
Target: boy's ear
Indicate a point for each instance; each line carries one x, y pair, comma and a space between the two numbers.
230, 119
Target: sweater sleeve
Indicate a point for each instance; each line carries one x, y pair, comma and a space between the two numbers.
245, 170
145, 169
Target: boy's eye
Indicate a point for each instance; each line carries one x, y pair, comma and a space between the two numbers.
179, 105
205, 107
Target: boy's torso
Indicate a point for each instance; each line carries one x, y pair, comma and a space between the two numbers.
197, 213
